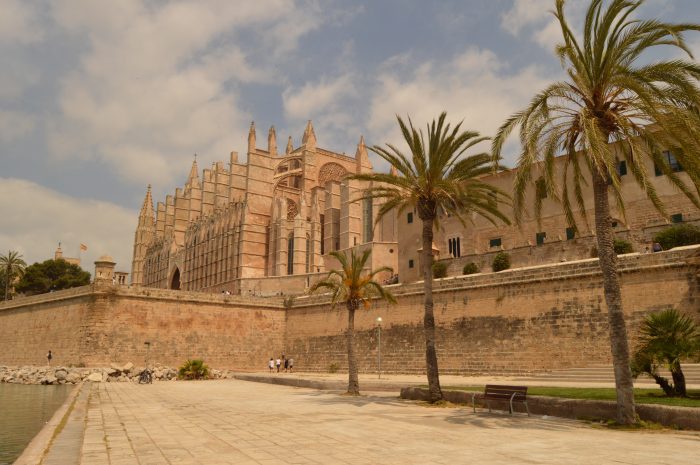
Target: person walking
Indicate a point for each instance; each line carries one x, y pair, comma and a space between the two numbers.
49, 356
271, 364
291, 364
278, 362
286, 363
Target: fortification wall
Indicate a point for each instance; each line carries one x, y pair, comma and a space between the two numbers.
516, 321
96, 326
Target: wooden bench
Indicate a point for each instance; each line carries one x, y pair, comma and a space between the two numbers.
505, 393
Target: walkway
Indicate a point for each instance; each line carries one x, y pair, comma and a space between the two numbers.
239, 422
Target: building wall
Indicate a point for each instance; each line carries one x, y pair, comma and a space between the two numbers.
520, 320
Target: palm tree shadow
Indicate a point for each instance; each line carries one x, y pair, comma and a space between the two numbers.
502, 419
340, 398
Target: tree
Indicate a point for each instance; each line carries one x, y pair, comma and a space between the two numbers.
52, 275
666, 338
351, 286
612, 105
436, 178
12, 267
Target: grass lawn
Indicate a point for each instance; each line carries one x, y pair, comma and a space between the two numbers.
641, 396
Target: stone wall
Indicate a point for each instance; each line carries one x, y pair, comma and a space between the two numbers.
97, 326
516, 321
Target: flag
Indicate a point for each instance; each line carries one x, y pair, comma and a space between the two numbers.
83, 247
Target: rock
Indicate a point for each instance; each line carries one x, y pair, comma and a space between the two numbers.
61, 374
128, 367
95, 377
112, 372
49, 380
73, 377
115, 367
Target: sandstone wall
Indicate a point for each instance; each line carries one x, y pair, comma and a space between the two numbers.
515, 321
96, 326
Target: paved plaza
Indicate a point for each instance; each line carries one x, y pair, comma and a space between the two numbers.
239, 422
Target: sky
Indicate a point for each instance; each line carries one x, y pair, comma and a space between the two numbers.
99, 99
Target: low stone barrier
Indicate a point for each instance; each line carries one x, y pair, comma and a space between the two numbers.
74, 375
682, 417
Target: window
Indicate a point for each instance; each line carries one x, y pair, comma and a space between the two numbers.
677, 218
570, 234
308, 253
670, 160
540, 237
290, 254
367, 217
541, 188
495, 242
622, 168
323, 233
410, 263
454, 247
409, 217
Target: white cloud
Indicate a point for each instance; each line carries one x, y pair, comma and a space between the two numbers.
475, 87
160, 80
535, 19
19, 22
36, 218
301, 102
524, 13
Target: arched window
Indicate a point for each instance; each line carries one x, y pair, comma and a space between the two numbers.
290, 254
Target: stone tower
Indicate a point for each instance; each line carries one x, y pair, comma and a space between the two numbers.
104, 270
145, 232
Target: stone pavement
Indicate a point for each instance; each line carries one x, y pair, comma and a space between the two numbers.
239, 422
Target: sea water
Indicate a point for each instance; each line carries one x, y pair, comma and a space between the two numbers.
24, 410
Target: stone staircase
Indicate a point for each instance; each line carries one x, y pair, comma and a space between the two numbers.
604, 374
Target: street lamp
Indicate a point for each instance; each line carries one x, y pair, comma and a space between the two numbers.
379, 345
148, 350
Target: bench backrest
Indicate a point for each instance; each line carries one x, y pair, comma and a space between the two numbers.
494, 391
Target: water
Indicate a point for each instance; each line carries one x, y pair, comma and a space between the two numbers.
24, 410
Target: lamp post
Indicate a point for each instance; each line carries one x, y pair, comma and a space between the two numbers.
379, 345
148, 350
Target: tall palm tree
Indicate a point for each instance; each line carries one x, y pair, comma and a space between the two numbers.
12, 266
435, 178
355, 288
614, 104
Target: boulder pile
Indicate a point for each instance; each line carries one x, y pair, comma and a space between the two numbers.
74, 375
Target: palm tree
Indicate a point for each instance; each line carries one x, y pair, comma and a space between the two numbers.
351, 286
667, 337
611, 96
12, 266
435, 179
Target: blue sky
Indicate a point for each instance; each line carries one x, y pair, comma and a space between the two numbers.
99, 99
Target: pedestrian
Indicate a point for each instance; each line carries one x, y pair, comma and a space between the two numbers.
271, 364
286, 364
291, 364
49, 356
278, 362
656, 247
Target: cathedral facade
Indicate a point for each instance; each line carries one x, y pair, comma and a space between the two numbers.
264, 226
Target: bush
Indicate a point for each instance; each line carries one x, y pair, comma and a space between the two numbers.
439, 270
678, 235
333, 368
193, 369
622, 246
470, 268
501, 262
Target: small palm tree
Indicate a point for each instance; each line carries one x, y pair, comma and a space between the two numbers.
666, 338
12, 266
610, 96
193, 369
355, 288
435, 178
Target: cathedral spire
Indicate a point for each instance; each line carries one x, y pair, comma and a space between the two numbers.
290, 147
251, 137
361, 157
193, 178
309, 138
272, 141
147, 207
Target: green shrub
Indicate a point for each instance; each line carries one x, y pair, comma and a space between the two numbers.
678, 235
622, 246
470, 268
439, 270
501, 262
193, 369
333, 368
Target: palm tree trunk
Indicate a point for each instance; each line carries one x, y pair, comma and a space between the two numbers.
678, 380
613, 298
431, 362
7, 282
353, 382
